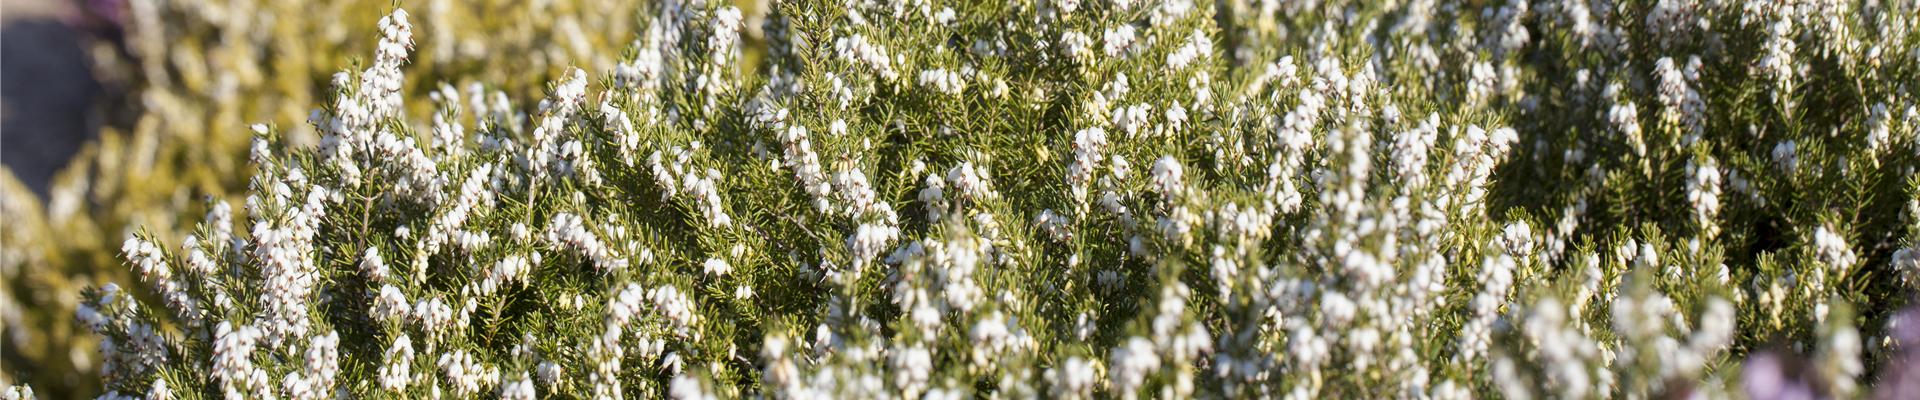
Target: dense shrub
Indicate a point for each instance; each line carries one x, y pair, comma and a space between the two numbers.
1058, 199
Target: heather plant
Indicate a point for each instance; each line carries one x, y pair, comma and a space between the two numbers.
1562, 199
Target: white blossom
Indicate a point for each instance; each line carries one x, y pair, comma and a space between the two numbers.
1117, 40
1831, 249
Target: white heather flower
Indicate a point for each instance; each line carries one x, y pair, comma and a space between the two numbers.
1296, 128
512, 269
933, 197
448, 135
1482, 83
1057, 226
233, 352
1843, 357
1329, 77
1088, 146
159, 391
1117, 40
726, 36
287, 269
1517, 239
1132, 363
1878, 127
373, 266
1906, 262
956, 276
1110, 202
1177, 224
664, 174
858, 49
322, 365
1716, 328
1500, 141
1066, 7
1776, 60
1703, 193
473, 195
220, 219
1642, 317
1509, 33
623, 307
944, 17
297, 387
1785, 158
869, 240
1411, 150
147, 259
676, 307
520, 389
852, 189
838, 128
1282, 73
1648, 257
1168, 179
1176, 117
379, 95
144, 349
1831, 249
1624, 118
1563, 351
549, 372
716, 267
466, 375
1476, 334
573, 161
1117, 88
1076, 45
943, 81
570, 232
417, 176
683, 387
433, 315
798, 154
706, 192
622, 128
569, 96
1224, 271
1669, 20
21, 392
391, 304
1682, 102
1133, 119
398, 360
1336, 309
912, 369
1197, 46
151, 262
1280, 186
972, 182
1073, 378
989, 337
1084, 327
258, 381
